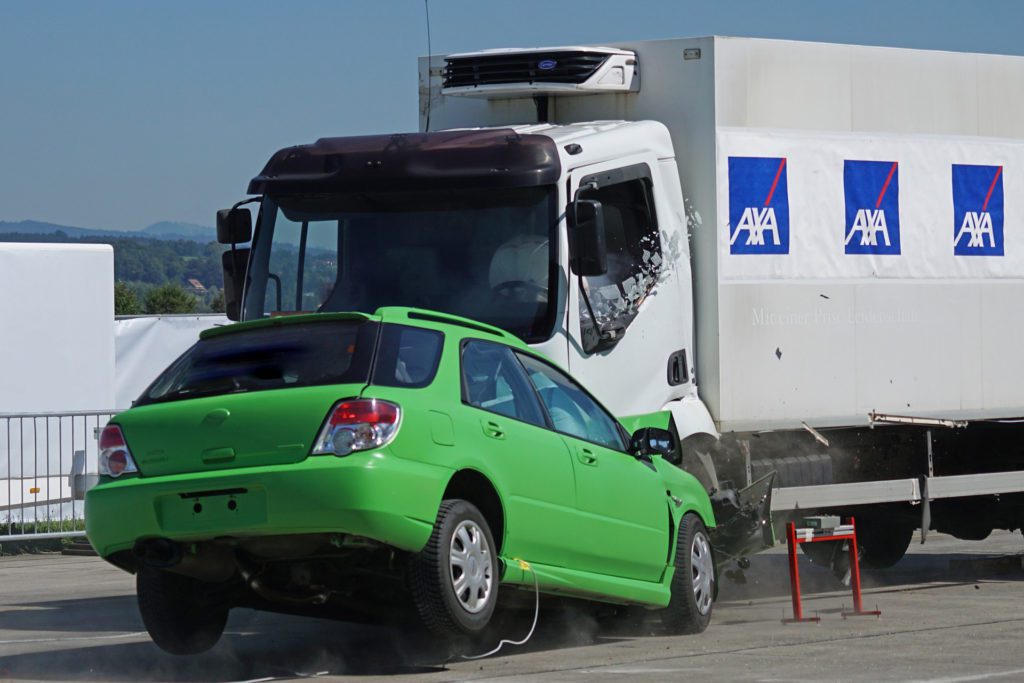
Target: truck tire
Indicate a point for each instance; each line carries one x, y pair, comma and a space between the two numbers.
693, 584
822, 553
454, 579
179, 616
882, 543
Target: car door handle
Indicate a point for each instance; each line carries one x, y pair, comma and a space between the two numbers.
493, 429
586, 456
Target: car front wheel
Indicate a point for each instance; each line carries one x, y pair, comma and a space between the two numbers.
178, 613
693, 584
454, 579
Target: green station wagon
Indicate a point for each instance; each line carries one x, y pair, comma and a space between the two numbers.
387, 467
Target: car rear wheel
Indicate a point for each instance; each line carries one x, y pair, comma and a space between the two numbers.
454, 579
178, 613
693, 584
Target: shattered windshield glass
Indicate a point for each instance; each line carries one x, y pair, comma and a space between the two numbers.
609, 302
488, 255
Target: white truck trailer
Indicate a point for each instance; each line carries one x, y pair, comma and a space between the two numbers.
811, 254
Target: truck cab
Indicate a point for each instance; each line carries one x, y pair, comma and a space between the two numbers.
485, 224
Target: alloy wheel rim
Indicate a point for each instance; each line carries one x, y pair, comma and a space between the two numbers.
469, 566
703, 569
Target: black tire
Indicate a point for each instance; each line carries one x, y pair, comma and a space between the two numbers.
445, 611
179, 615
882, 543
689, 610
822, 553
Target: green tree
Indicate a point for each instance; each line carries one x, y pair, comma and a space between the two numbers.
126, 301
216, 300
169, 298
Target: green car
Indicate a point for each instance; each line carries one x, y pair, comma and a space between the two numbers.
387, 467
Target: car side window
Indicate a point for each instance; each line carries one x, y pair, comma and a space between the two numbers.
493, 380
571, 410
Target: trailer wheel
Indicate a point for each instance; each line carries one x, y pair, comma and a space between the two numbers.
882, 543
822, 553
693, 584
454, 579
180, 617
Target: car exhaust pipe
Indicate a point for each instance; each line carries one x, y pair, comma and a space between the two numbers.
206, 562
251, 575
157, 553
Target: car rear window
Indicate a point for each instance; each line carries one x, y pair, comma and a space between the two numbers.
289, 355
407, 356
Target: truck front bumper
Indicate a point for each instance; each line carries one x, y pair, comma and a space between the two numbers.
373, 494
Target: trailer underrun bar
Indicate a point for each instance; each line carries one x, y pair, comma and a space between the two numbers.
911, 490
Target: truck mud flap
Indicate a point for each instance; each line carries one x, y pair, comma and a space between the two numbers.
744, 520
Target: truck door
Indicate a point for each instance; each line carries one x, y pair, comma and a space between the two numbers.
627, 324
621, 527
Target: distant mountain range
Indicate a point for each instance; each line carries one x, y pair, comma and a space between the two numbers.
164, 230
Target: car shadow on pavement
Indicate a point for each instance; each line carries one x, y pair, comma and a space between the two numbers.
280, 647
261, 645
89, 615
104, 639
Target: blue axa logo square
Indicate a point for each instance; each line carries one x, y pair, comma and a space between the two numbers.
977, 210
872, 206
758, 205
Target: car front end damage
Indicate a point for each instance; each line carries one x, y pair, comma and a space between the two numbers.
744, 521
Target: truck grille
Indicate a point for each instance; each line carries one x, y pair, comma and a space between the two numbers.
561, 67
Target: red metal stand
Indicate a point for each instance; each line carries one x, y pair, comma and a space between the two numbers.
845, 532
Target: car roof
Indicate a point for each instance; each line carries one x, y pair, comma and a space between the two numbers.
416, 317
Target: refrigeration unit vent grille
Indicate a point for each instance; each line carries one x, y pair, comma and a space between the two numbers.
522, 67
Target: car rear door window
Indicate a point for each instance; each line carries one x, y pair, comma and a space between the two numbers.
493, 380
571, 409
407, 356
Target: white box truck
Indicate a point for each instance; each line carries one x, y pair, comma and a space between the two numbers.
811, 254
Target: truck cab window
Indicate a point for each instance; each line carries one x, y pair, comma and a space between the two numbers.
634, 258
303, 264
485, 254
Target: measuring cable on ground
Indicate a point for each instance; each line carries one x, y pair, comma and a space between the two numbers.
524, 565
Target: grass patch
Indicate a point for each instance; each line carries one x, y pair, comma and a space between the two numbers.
22, 546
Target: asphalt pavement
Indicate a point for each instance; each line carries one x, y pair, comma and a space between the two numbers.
951, 612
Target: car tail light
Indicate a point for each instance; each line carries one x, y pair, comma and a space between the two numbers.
115, 458
356, 425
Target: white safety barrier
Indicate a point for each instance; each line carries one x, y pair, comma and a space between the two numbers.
47, 462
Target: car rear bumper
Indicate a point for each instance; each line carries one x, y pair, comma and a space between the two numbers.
373, 494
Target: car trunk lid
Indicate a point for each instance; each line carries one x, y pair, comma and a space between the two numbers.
274, 427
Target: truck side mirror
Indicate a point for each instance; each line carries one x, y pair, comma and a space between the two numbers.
649, 441
588, 253
234, 226
234, 262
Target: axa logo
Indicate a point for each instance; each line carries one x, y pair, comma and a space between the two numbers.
977, 210
872, 191
758, 205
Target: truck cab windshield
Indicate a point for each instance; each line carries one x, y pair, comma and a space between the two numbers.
485, 254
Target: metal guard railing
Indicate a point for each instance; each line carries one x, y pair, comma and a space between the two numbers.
47, 462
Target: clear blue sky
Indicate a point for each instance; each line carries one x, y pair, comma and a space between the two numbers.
117, 114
